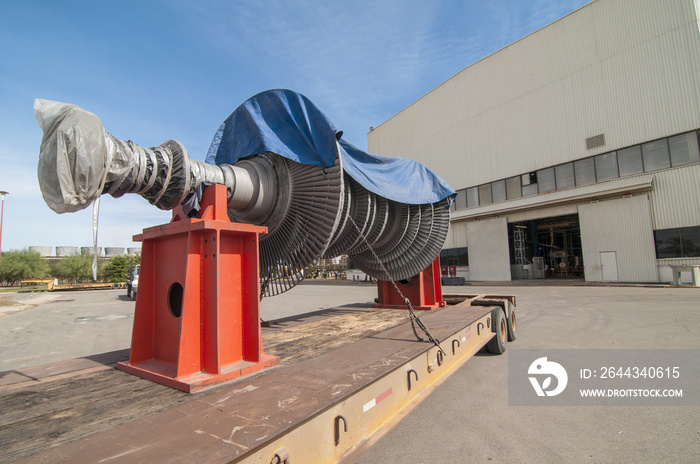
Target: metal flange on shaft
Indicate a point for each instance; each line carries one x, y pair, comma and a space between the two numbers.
311, 212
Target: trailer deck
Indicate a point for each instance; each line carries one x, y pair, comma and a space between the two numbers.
347, 375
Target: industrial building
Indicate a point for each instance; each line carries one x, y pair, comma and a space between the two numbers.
574, 151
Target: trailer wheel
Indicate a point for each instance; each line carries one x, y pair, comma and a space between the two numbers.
497, 345
512, 327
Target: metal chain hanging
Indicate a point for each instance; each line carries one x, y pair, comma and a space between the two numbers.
263, 288
413, 317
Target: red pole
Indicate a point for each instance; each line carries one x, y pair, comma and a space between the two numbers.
2, 210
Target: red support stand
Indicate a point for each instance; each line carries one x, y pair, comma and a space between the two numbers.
424, 290
197, 318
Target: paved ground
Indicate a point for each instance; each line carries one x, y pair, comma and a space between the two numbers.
47, 327
466, 419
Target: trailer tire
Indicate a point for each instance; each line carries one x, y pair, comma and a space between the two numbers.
498, 344
512, 326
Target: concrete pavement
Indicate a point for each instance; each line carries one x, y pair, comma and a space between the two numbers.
467, 418
48, 327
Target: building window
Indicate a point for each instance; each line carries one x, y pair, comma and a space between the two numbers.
485, 194
472, 197
655, 155
460, 200
529, 182
585, 171
684, 149
606, 166
498, 190
454, 257
630, 161
513, 189
529, 190
529, 178
545, 180
565, 176
678, 150
677, 243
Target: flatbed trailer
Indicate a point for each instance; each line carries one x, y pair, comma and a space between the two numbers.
89, 286
348, 375
51, 286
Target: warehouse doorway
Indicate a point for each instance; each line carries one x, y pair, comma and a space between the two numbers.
547, 248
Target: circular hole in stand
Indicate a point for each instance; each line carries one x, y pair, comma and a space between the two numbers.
175, 299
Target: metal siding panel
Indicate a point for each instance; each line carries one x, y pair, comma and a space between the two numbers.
624, 226
675, 200
542, 213
649, 93
489, 255
457, 235
605, 68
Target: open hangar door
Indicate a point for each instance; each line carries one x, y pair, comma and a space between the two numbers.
546, 248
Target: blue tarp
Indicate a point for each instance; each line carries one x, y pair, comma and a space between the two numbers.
289, 124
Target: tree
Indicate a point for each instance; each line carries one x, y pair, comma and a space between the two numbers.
17, 265
73, 268
311, 271
116, 269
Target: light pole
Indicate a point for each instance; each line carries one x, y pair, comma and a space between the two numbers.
2, 210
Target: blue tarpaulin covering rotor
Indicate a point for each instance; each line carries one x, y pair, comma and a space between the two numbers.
289, 124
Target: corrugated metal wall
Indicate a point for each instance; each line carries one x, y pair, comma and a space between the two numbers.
675, 199
489, 255
457, 235
631, 238
541, 213
625, 68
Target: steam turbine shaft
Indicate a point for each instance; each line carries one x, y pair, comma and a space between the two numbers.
311, 212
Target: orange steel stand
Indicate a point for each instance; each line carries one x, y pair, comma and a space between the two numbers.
197, 319
424, 290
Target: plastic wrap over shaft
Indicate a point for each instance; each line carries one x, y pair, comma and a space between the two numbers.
73, 156
79, 161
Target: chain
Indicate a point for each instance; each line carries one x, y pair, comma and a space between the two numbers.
413, 317
263, 288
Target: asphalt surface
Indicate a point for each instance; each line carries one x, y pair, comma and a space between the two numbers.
47, 327
467, 418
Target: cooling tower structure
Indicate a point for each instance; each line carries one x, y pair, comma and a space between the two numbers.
63, 251
111, 252
44, 251
90, 251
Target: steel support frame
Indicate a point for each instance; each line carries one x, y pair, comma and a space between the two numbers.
197, 317
424, 290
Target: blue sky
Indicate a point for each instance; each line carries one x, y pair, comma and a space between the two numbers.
154, 70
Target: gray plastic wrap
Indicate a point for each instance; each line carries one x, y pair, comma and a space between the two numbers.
73, 156
78, 162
